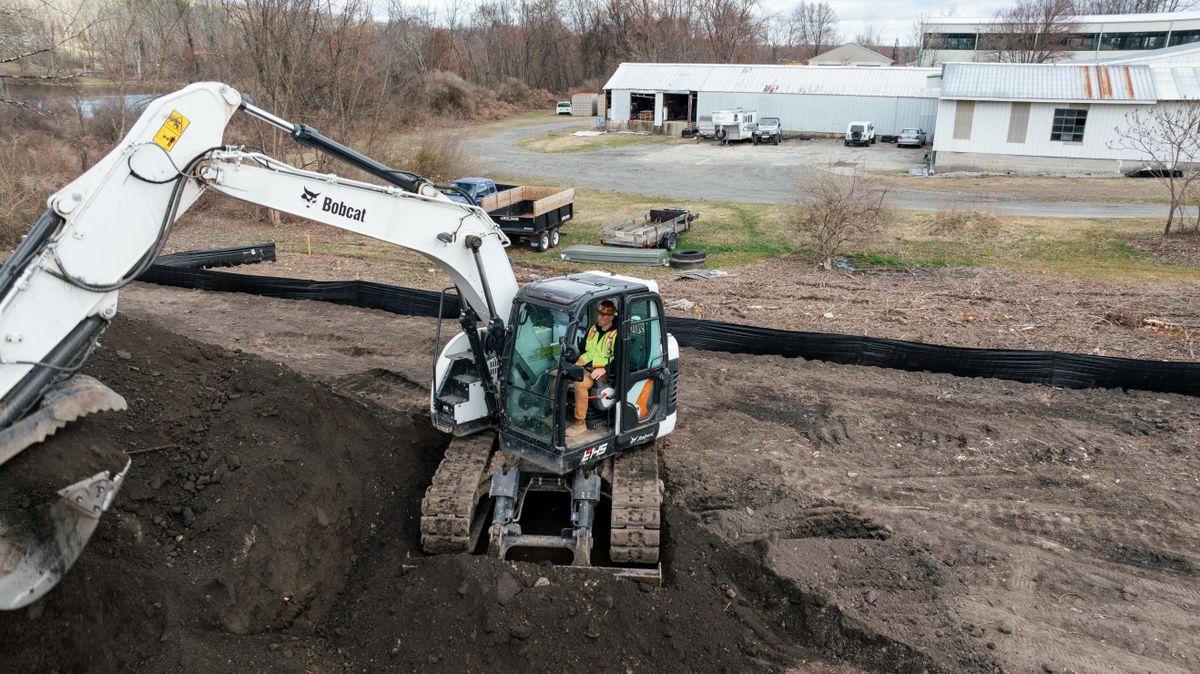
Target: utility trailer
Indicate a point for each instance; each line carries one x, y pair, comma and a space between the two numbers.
655, 228
531, 213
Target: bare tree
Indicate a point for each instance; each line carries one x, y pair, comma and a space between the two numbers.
1131, 6
835, 209
1167, 139
812, 29
730, 28
1031, 31
868, 36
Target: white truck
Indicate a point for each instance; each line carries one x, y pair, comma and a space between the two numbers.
859, 133
731, 125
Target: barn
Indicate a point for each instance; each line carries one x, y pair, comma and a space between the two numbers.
807, 99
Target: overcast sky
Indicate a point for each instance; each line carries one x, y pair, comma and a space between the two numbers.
892, 18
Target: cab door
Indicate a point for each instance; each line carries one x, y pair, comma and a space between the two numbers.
642, 397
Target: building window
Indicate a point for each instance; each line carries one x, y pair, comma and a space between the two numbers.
1179, 37
1081, 41
1018, 122
964, 114
1068, 125
950, 41
1132, 41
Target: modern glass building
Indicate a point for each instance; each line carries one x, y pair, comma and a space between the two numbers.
952, 39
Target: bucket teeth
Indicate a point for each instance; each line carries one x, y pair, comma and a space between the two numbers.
76, 397
38, 546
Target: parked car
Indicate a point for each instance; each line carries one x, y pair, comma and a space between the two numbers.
912, 137
563, 108
770, 130
476, 190
860, 133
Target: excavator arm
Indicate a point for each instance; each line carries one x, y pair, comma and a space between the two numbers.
58, 290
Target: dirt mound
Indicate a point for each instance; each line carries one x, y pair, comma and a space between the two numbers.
269, 523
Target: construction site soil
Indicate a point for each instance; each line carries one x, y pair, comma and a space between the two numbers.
819, 518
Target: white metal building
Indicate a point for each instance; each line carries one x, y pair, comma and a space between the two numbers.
1047, 117
959, 39
851, 54
812, 99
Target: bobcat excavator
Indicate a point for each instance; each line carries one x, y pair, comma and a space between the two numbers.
501, 386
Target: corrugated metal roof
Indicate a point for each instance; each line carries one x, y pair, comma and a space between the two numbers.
826, 80
1040, 82
1177, 82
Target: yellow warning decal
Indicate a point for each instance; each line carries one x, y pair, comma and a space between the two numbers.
171, 130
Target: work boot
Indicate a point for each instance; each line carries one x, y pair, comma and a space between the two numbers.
576, 429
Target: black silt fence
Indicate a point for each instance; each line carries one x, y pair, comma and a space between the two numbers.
1051, 368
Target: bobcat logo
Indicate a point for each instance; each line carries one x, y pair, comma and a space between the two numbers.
310, 197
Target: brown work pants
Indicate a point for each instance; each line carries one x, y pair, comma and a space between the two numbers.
581, 393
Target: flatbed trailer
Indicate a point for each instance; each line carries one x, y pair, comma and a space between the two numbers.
655, 228
531, 213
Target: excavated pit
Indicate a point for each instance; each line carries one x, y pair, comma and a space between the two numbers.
269, 523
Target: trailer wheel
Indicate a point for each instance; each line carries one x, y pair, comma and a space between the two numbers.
555, 237
543, 242
669, 241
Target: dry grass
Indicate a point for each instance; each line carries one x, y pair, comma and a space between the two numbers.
960, 222
1104, 190
566, 142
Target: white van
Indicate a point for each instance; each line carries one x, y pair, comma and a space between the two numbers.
859, 133
564, 108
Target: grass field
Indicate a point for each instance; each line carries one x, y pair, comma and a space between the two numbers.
737, 234
566, 142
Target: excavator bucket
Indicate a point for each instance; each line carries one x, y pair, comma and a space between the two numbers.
40, 541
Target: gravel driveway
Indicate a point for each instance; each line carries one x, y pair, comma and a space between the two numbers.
748, 173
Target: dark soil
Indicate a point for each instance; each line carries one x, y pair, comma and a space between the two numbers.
269, 523
820, 518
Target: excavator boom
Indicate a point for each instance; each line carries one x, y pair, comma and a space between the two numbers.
58, 290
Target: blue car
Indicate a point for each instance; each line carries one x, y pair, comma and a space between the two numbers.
476, 188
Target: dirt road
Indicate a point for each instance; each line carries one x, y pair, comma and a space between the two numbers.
749, 173
826, 518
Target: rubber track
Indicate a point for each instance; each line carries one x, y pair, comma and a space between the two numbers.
459, 483
636, 507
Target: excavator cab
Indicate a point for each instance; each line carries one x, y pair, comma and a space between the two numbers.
636, 404
550, 320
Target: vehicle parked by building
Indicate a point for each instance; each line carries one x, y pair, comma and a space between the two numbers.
655, 228
860, 133
731, 125
563, 108
705, 127
770, 130
911, 137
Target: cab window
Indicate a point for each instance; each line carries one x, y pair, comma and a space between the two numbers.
645, 336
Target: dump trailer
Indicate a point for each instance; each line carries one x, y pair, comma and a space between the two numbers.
655, 228
531, 213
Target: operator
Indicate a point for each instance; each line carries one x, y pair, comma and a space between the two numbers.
599, 347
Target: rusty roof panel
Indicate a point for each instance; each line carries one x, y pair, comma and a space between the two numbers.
1049, 82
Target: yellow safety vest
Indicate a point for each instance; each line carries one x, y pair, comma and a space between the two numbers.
599, 348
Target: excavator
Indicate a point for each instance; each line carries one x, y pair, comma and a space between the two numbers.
501, 386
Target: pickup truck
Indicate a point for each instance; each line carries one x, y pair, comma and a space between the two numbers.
534, 214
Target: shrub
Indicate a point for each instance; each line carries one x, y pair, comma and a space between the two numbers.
833, 210
449, 94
